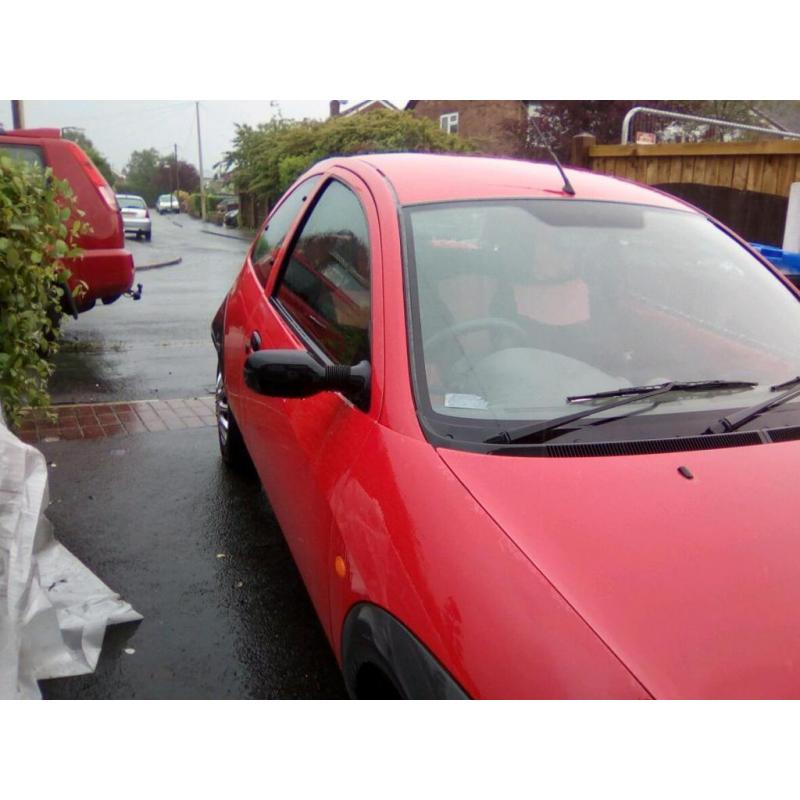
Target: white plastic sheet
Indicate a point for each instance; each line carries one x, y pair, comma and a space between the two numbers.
53, 610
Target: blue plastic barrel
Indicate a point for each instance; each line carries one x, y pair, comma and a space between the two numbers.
786, 261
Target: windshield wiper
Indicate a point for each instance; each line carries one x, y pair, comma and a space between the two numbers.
627, 395
734, 421
677, 386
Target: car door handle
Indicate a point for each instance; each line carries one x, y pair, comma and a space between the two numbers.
254, 343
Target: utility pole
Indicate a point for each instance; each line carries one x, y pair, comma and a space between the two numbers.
200, 159
177, 179
17, 114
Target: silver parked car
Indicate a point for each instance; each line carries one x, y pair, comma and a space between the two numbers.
135, 216
168, 203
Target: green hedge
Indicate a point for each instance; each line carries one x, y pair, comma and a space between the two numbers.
38, 226
266, 160
195, 205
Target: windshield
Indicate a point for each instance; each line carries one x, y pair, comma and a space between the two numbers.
131, 202
517, 305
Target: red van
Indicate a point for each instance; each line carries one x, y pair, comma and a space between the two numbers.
105, 267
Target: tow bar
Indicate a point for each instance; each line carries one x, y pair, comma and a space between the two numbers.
135, 294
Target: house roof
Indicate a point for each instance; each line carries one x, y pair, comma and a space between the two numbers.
412, 104
781, 114
365, 103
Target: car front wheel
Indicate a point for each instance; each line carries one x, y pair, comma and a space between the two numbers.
231, 444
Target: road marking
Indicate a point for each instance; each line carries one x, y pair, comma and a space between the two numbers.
171, 263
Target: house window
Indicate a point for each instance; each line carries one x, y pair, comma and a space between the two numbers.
449, 122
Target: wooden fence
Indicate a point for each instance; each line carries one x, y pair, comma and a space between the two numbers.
743, 184
252, 210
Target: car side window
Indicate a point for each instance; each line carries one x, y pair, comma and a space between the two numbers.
277, 227
30, 153
325, 286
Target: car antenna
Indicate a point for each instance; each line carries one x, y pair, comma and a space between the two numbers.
567, 185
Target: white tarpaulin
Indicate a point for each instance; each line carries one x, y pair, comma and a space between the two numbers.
53, 610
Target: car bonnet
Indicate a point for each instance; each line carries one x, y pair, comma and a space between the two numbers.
687, 565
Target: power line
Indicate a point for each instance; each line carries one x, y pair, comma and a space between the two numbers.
180, 105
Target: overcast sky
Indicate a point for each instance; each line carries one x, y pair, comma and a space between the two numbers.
118, 127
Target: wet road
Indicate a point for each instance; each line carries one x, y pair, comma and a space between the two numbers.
155, 515
160, 346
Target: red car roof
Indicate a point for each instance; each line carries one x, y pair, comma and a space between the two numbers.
424, 177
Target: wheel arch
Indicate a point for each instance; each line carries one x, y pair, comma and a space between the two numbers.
373, 639
218, 327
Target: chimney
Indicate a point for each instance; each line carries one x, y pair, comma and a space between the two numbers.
335, 107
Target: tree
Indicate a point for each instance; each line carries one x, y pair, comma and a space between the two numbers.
265, 160
140, 174
85, 143
560, 120
188, 176
150, 174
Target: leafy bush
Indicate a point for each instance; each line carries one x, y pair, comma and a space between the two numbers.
183, 199
38, 226
266, 160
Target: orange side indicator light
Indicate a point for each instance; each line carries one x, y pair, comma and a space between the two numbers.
340, 566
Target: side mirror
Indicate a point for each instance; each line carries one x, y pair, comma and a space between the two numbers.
295, 373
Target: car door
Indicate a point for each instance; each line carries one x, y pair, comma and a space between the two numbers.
321, 300
246, 300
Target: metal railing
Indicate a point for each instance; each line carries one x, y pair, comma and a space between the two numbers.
626, 123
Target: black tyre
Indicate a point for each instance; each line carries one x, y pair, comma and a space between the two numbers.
138, 235
54, 314
68, 303
231, 444
148, 235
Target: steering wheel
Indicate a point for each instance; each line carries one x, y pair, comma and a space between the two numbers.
471, 325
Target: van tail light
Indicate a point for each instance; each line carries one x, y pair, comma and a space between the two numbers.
96, 177
108, 195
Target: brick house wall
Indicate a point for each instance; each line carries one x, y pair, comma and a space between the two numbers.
486, 122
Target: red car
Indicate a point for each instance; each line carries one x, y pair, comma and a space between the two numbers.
106, 267
522, 442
